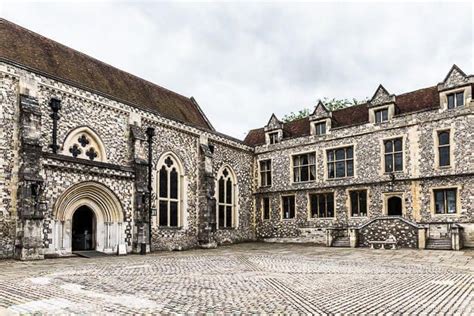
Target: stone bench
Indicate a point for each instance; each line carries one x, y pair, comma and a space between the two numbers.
382, 243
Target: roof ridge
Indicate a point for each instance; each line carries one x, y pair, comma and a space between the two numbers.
91, 57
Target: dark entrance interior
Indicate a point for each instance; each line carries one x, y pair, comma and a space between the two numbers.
394, 206
83, 229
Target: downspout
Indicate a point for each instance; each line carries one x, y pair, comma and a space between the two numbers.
55, 105
150, 132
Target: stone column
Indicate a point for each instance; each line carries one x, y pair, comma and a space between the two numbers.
353, 237
456, 238
329, 237
422, 237
206, 198
141, 195
31, 201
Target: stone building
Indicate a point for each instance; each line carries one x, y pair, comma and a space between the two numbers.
398, 166
94, 158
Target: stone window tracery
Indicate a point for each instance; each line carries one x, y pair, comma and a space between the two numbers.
169, 192
226, 199
83, 143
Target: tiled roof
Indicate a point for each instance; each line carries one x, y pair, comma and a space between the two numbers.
414, 101
41, 54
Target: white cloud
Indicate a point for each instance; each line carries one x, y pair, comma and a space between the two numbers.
243, 62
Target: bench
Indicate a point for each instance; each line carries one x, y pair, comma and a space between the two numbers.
391, 241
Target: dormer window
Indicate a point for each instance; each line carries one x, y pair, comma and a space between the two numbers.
320, 128
381, 115
455, 99
273, 138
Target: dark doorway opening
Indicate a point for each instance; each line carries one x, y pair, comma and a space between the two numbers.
83, 229
394, 206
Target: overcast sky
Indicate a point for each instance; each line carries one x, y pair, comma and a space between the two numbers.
243, 62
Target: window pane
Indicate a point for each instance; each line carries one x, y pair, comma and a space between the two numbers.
174, 184
330, 155
354, 204
340, 169
340, 154
450, 101
296, 161
312, 172
322, 205
221, 215
174, 214
304, 159
163, 182
384, 115
330, 205
444, 159
350, 168
460, 99
304, 174
350, 152
286, 213
292, 206
439, 201
378, 117
229, 192
388, 146
443, 138
269, 178
296, 174
398, 162
398, 144
363, 203
331, 170
228, 222
163, 213
451, 200
221, 190
313, 198
266, 208
388, 163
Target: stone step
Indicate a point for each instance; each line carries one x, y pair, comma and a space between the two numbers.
341, 242
438, 244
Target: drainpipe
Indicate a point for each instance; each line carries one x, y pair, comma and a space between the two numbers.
55, 105
150, 132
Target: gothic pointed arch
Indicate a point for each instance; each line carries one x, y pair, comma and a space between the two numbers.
170, 190
226, 197
82, 142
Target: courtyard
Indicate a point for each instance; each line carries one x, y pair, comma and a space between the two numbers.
245, 278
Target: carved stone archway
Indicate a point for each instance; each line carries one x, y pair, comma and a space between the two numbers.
108, 211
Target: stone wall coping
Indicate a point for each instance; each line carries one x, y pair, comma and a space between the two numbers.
400, 218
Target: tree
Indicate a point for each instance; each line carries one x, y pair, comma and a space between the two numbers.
330, 104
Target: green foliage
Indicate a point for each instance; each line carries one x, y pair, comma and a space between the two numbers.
330, 104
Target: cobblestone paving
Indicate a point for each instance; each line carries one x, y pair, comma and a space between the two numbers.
245, 278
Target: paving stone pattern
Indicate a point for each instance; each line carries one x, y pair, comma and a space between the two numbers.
245, 278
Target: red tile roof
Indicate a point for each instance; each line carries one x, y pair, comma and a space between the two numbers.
427, 98
46, 56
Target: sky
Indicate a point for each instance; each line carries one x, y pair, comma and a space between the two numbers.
244, 61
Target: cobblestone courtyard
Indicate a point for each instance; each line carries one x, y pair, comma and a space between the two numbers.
245, 278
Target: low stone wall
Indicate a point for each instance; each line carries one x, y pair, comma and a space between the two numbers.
380, 229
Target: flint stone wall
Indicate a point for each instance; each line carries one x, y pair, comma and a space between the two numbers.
379, 230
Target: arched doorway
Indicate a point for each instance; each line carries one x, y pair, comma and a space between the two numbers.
83, 229
394, 204
89, 206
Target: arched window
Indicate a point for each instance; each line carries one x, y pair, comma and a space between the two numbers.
84, 143
169, 182
226, 198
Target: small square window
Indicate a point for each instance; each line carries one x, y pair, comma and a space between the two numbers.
381, 116
445, 201
273, 138
320, 128
455, 100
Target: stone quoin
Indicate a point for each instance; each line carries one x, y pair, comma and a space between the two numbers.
94, 158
